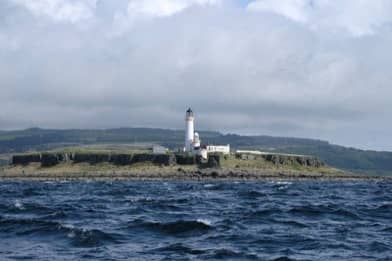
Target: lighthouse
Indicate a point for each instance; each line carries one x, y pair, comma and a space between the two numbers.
189, 130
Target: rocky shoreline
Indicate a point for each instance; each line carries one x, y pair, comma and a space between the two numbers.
211, 175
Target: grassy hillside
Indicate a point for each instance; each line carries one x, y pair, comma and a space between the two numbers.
372, 162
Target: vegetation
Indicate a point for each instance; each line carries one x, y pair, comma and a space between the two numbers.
355, 160
229, 166
261, 165
82, 169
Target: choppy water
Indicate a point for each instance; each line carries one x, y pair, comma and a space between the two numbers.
191, 220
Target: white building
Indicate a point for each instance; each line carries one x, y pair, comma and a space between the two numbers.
193, 142
156, 149
253, 152
196, 141
225, 149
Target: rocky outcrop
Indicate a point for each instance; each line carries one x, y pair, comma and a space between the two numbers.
314, 162
92, 158
165, 159
159, 159
185, 159
138, 158
283, 159
25, 159
214, 160
121, 159
52, 159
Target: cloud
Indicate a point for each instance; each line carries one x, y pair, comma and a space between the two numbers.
293, 9
258, 72
60, 10
159, 8
358, 17
142, 10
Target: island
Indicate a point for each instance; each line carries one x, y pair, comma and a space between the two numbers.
82, 164
192, 161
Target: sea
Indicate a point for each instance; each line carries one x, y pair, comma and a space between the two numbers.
185, 220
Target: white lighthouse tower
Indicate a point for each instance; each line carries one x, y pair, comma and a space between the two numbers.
189, 130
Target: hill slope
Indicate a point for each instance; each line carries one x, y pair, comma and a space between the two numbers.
371, 162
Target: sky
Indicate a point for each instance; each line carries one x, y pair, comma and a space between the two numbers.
299, 68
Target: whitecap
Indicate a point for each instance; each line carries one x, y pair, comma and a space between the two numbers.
18, 204
204, 221
282, 187
284, 183
68, 226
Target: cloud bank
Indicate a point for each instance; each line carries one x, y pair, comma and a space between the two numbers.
317, 69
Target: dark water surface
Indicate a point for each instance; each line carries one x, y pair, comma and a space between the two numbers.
191, 220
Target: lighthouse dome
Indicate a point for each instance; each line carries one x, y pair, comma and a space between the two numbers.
189, 112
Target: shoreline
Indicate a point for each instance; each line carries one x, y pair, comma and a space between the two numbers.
151, 172
188, 177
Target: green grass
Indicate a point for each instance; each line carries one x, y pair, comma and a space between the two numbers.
81, 169
261, 165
